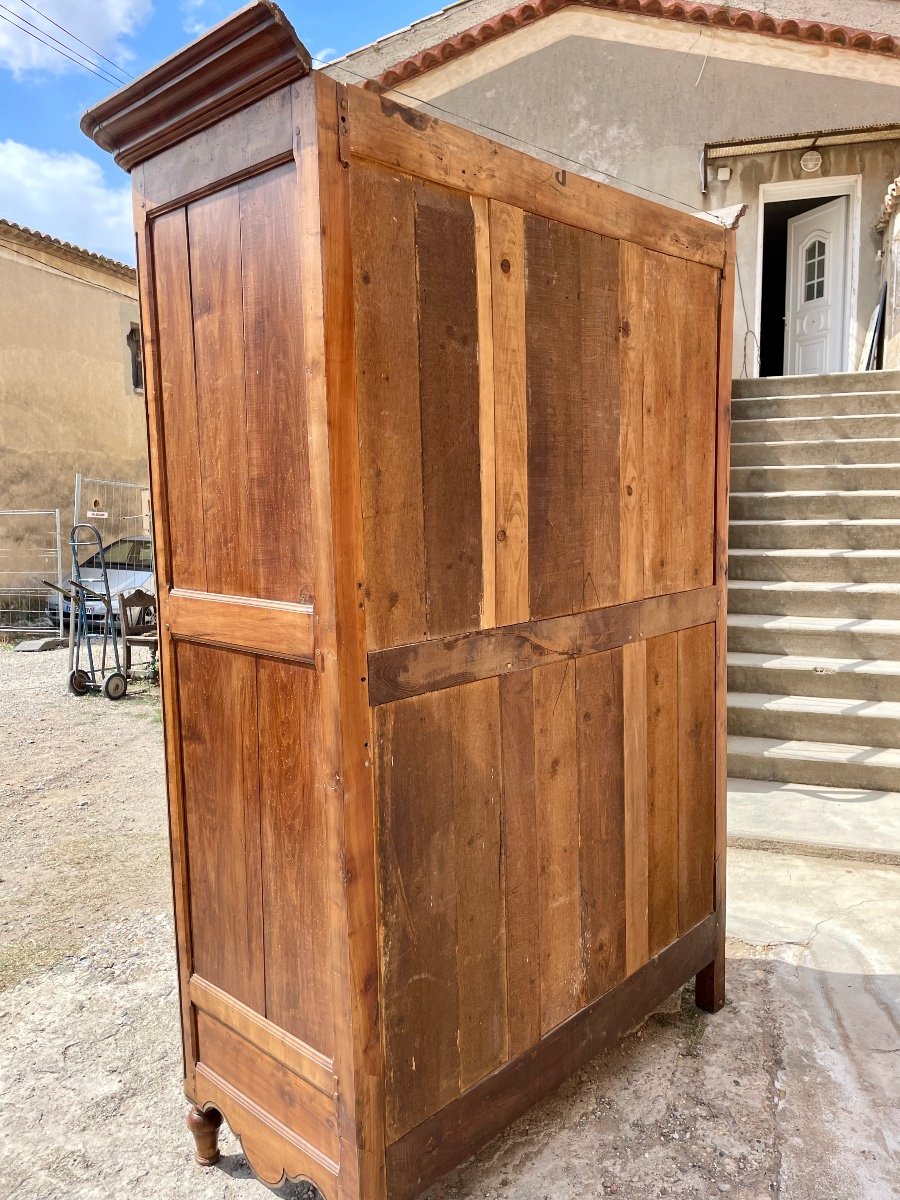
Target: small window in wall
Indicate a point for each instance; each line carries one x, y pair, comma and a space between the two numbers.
815, 271
133, 341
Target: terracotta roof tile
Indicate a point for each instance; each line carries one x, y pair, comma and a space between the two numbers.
43, 241
717, 15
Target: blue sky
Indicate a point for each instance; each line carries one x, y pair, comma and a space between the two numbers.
51, 177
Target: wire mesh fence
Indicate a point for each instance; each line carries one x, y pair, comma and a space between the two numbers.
117, 509
31, 550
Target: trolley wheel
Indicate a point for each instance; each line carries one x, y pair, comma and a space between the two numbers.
114, 686
79, 682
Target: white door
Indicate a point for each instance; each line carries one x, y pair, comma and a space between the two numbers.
815, 339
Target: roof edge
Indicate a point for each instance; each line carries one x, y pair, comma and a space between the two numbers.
718, 16
65, 250
252, 53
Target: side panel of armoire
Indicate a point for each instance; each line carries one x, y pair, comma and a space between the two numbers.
241, 575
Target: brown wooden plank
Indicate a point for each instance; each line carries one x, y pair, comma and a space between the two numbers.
264, 627
662, 789
477, 786
178, 402
428, 666
383, 131
214, 230
449, 404
293, 837
463, 1127
600, 419
601, 817
486, 415
279, 552
417, 879
217, 695
699, 333
510, 412
634, 702
556, 803
632, 468
387, 354
553, 327
520, 857
696, 774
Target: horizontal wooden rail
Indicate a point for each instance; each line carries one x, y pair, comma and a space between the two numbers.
303, 1060
260, 626
431, 666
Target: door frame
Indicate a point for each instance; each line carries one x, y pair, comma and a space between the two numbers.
803, 189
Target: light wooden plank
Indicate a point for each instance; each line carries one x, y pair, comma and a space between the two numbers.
486, 417
263, 627
634, 704
696, 774
662, 790
632, 467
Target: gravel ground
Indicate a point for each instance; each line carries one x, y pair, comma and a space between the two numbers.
755, 1102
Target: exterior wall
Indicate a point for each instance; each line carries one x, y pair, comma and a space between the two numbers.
67, 402
575, 101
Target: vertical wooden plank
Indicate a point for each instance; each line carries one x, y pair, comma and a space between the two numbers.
214, 230
476, 783
178, 401
449, 401
521, 863
555, 433
417, 878
600, 418
279, 550
486, 416
602, 830
696, 774
387, 355
662, 789
698, 332
634, 703
292, 831
511, 417
556, 799
218, 705
632, 466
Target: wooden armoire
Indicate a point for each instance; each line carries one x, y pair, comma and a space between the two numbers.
439, 451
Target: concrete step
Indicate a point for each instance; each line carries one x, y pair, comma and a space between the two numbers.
811, 718
810, 405
819, 566
821, 453
878, 534
844, 477
813, 675
827, 764
788, 598
836, 637
865, 823
786, 506
816, 429
845, 382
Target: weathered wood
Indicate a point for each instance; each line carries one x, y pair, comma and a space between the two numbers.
662, 790
632, 465
696, 774
285, 630
428, 666
486, 415
637, 815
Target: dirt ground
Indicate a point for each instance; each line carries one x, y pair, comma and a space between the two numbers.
791, 1091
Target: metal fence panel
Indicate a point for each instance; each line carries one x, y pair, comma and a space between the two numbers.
31, 550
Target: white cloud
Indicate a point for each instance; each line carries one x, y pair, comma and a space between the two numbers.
198, 15
66, 196
104, 24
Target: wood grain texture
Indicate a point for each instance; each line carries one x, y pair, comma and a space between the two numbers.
486, 414
217, 694
449, 410
520, 862
279, 550
662, 790
285, 630
632, 466
696, 774
601, 715
293, 843
510, 413
427, 666
637, 816
556, 804
387, 353
178, 402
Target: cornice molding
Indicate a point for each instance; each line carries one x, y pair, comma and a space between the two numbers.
253, 53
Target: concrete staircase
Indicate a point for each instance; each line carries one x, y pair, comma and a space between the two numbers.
814, 581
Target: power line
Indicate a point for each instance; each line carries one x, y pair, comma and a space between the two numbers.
75, 37
84, 59
78, 62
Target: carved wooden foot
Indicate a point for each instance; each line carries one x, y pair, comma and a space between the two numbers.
710, 985
205, 1128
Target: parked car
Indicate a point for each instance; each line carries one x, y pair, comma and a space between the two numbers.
129, 565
